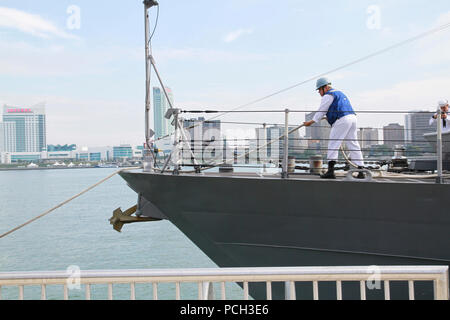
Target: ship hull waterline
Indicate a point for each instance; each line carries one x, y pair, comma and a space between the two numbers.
269, 222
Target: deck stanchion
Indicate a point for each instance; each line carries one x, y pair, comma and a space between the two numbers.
440, 178
285, 173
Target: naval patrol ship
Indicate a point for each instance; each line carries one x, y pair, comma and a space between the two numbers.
270, 219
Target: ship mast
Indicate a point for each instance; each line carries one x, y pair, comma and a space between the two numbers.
149, 156
148, 152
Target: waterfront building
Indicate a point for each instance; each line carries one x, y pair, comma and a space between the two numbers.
58, 147
16, 157
393, 134
317, 135
10, 136
417, 124
58, 155
27, 128
367, 137
5, 158
97, 154
123, 152
138, 152
261, 140
204, 138
2, 138
275, 150
162, 125
84, 154
200, 129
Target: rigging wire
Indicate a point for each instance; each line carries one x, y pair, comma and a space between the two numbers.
307, 111
367, 57
407, 41
156, 25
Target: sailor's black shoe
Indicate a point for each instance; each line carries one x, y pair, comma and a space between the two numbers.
328, 175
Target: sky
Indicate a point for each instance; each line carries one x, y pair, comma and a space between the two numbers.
85, 60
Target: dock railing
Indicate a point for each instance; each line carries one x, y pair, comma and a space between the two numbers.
205, 279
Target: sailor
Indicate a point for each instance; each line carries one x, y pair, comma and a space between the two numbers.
443, 104
340, 115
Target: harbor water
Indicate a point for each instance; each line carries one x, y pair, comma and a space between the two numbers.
78, 235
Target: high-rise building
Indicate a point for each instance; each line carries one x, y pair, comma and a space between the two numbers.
9, 129
261, 140
318, 134
204, 135
275, 149
200, 129
162, 125
367, 137
2, 137
393, 134
25, 128
417, 124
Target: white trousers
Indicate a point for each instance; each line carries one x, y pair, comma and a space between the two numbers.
345, 129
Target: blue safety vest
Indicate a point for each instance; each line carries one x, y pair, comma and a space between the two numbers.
340, 107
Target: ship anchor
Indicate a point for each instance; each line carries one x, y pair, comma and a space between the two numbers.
120, 218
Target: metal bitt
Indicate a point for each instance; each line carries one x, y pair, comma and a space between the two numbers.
285, 173
440, 178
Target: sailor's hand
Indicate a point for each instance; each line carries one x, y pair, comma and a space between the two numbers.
444, 116
308, 123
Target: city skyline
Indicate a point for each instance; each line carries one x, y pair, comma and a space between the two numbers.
393, 133
88, 65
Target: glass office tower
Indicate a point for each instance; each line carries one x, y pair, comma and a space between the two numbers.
26, 128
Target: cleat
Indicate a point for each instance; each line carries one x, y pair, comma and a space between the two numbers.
361, 174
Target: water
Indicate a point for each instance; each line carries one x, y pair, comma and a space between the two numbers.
79, 233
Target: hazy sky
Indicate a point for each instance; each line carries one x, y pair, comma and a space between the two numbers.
215, 55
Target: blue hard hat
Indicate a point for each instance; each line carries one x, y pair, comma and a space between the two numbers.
322, 82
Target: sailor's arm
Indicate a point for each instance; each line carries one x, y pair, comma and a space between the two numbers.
327, 100
433, 120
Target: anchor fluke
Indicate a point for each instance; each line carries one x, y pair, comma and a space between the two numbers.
120, 218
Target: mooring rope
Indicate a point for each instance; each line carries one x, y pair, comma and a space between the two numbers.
65, 202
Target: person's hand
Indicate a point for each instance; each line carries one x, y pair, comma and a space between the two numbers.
444, 116
308, 123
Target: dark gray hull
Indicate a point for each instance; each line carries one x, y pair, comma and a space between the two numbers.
255, 222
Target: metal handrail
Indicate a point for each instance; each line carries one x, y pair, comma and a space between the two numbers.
289, 275
285, 138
